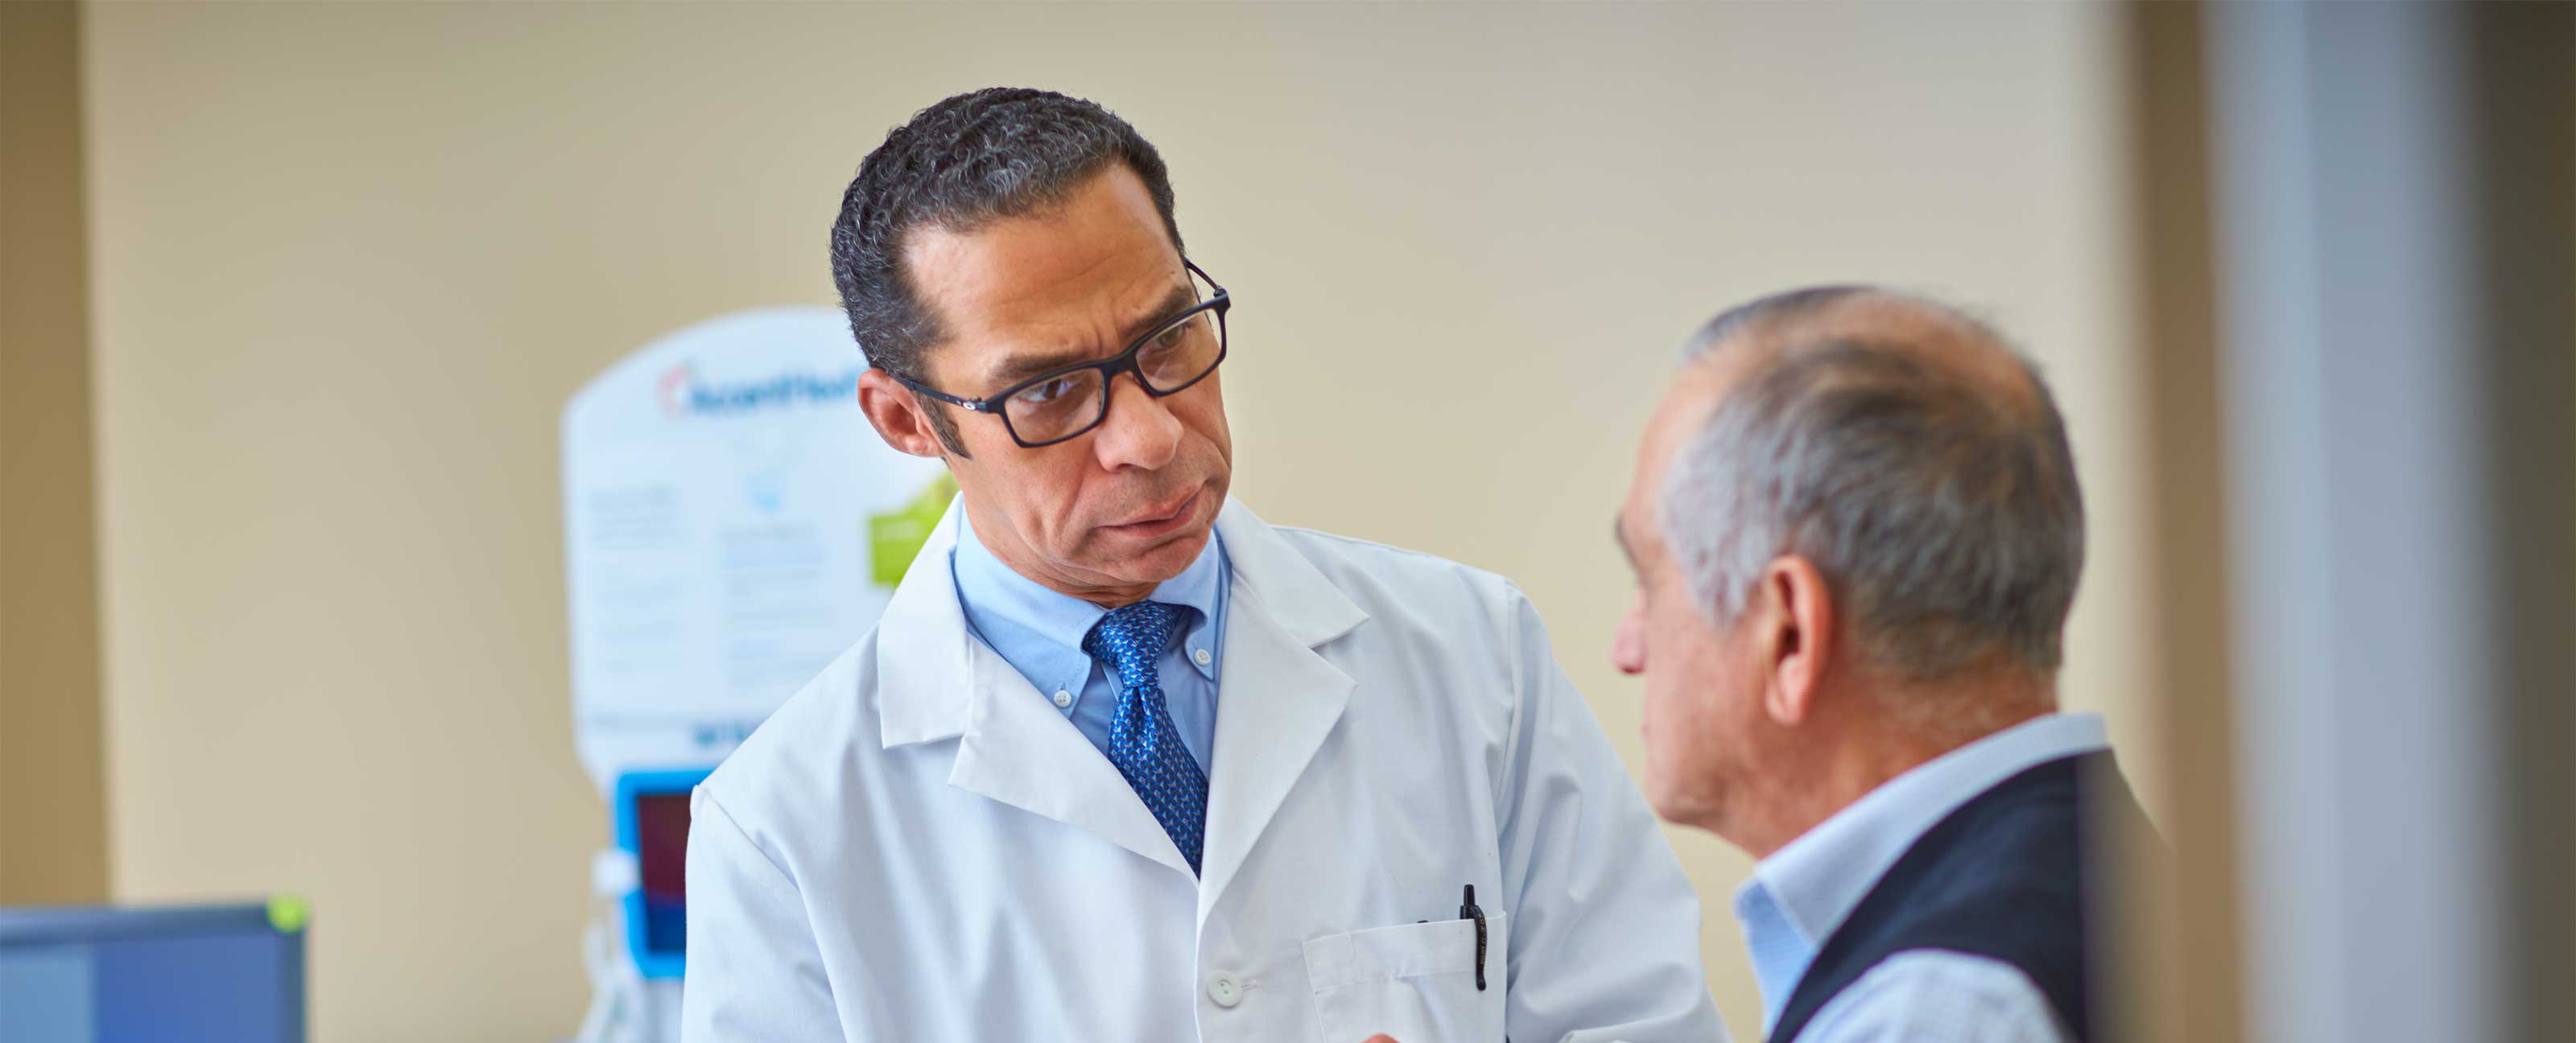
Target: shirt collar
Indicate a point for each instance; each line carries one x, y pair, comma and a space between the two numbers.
1040, 631
1814, 882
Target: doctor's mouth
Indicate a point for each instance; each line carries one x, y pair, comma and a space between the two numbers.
1165, 520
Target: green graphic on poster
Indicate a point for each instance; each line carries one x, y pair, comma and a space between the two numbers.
896, 536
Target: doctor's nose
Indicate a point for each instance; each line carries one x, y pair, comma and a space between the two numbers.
1140, 430
1628, 647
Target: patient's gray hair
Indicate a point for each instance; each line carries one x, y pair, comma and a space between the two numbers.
1942, 509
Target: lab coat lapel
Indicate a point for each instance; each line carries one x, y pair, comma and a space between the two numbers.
1278, 699
1018, 750
936, 681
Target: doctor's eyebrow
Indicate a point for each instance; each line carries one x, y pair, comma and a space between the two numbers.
1016, 368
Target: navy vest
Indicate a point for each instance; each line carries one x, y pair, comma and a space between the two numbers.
2006, 876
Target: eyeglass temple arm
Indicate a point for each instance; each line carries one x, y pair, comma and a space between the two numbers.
1202, 273
975, 405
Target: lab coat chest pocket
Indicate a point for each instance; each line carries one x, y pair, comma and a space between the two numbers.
1416, 982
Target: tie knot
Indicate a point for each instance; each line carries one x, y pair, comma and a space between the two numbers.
1130, 639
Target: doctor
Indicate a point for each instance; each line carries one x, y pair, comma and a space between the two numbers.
1122, 762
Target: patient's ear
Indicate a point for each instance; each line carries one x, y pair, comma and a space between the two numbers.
1797, 619
898, 415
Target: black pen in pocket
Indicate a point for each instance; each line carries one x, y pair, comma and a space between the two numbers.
1467, 911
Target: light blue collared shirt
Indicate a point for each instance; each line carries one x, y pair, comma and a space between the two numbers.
1039, 632
1805, 890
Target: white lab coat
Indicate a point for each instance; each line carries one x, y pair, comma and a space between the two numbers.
918, 846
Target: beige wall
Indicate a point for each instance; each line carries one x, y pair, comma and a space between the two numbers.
53, 829
349, 261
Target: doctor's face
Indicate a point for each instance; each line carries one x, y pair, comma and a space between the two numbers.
1113, 512
1703, 682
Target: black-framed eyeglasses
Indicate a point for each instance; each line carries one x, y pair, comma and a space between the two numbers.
1060, 404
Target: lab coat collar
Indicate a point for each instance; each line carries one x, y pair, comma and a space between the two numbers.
1308, 607
925, 653
935, 681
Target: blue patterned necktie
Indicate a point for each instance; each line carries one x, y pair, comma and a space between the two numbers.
1142, 742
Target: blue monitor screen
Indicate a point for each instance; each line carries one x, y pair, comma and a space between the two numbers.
217, 975
652, 810
662, 860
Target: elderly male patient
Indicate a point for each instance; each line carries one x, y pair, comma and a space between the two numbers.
1856, 531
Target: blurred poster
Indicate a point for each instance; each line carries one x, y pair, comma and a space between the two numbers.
731, 524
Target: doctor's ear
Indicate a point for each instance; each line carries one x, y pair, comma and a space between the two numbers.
1797, 639
899, 417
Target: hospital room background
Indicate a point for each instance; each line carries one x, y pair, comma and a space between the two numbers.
297, 296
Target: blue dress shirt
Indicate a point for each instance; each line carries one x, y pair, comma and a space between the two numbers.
1805, 890
1039, 632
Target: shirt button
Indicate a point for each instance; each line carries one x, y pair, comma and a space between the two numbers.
1063, 699
1224, 990
1201, 657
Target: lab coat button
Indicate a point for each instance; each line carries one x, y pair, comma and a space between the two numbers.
1063, 698
1224, 990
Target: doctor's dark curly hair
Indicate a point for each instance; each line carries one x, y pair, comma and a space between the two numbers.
959, 165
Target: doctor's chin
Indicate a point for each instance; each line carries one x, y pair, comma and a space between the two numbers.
1362, 523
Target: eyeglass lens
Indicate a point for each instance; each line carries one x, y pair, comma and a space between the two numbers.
1068, 404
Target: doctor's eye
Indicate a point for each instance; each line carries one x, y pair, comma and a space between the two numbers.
1041, 394
1181, 352
1056, 406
